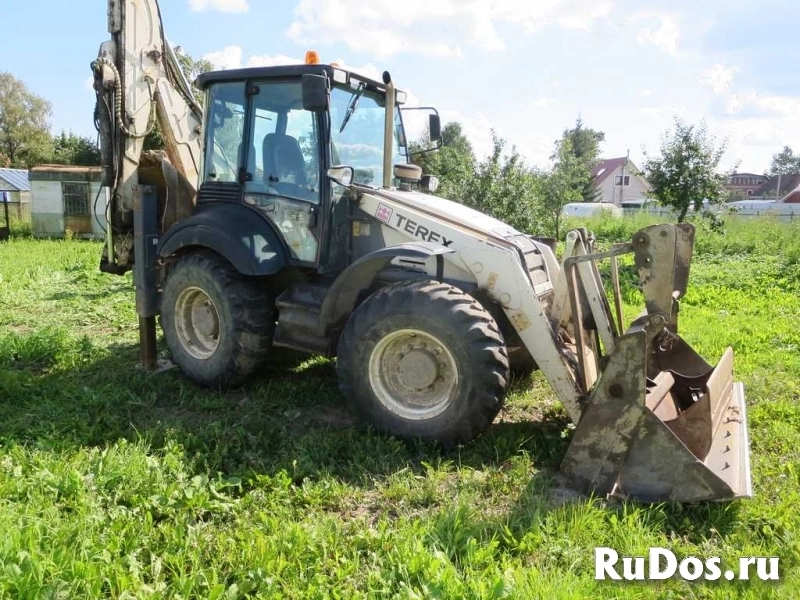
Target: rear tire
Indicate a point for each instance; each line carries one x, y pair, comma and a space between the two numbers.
217, 323
423, 360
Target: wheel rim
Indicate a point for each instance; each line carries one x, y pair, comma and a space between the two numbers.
197, 323
413, 374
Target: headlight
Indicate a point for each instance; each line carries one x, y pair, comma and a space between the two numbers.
429, 183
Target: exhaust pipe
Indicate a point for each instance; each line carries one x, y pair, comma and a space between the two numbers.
388, 131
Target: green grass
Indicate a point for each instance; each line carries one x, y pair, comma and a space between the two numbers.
115, 483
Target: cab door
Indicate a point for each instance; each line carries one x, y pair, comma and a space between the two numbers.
282, 171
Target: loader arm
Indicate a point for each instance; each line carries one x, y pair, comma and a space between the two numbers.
139, 82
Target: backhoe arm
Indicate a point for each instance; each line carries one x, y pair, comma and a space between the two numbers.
139, 82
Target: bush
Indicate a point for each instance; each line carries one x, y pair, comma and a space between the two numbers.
21, 228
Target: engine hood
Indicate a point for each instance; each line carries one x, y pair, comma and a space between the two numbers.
450, 211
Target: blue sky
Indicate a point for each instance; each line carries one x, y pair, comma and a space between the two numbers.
527, 68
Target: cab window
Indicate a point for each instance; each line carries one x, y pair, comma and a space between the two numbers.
225, 127
283, 157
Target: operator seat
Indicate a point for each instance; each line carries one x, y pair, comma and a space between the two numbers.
284, 166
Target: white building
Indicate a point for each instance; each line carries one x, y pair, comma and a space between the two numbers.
619, 180
67, 198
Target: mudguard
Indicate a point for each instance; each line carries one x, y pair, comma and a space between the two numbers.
342, 296
239, 233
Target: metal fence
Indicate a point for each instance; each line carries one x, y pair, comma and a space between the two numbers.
781, 215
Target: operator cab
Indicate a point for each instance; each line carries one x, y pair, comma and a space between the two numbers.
273, 133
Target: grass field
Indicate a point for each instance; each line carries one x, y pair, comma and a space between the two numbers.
118, 484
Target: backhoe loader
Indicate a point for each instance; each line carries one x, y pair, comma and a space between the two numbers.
285, 212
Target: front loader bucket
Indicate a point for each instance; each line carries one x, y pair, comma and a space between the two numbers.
671, 438
660, 423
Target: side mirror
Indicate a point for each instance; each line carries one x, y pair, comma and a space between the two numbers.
315, 93
343, 175
435, 128
422, 130
401, 135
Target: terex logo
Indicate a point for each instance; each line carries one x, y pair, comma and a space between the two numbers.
421, 231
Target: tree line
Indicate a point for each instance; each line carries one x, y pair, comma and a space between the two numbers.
683, 174
505, 187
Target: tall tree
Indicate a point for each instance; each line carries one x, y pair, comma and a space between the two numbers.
24, 124
584, 144
454, 163
505, 188
564, 184
785, 162
71, 149
686, 173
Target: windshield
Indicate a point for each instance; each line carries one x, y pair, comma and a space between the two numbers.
359, 143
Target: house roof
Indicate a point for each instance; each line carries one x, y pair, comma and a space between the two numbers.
66, 173
17, 178
769, 187
748, 175
65, 169
793, 197
606, 167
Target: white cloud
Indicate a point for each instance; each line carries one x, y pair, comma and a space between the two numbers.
718, 78
664, 114
652, 111
412, 100
369, 70
232, 57
752, 103
584, 20
769, 136
755, 123
753, 141
782, 106
384, 28
534, 148
273, 60
229, 6
663, 34
229, 57
541, 102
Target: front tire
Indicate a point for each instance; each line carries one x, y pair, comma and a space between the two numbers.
217, 323
423, 360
